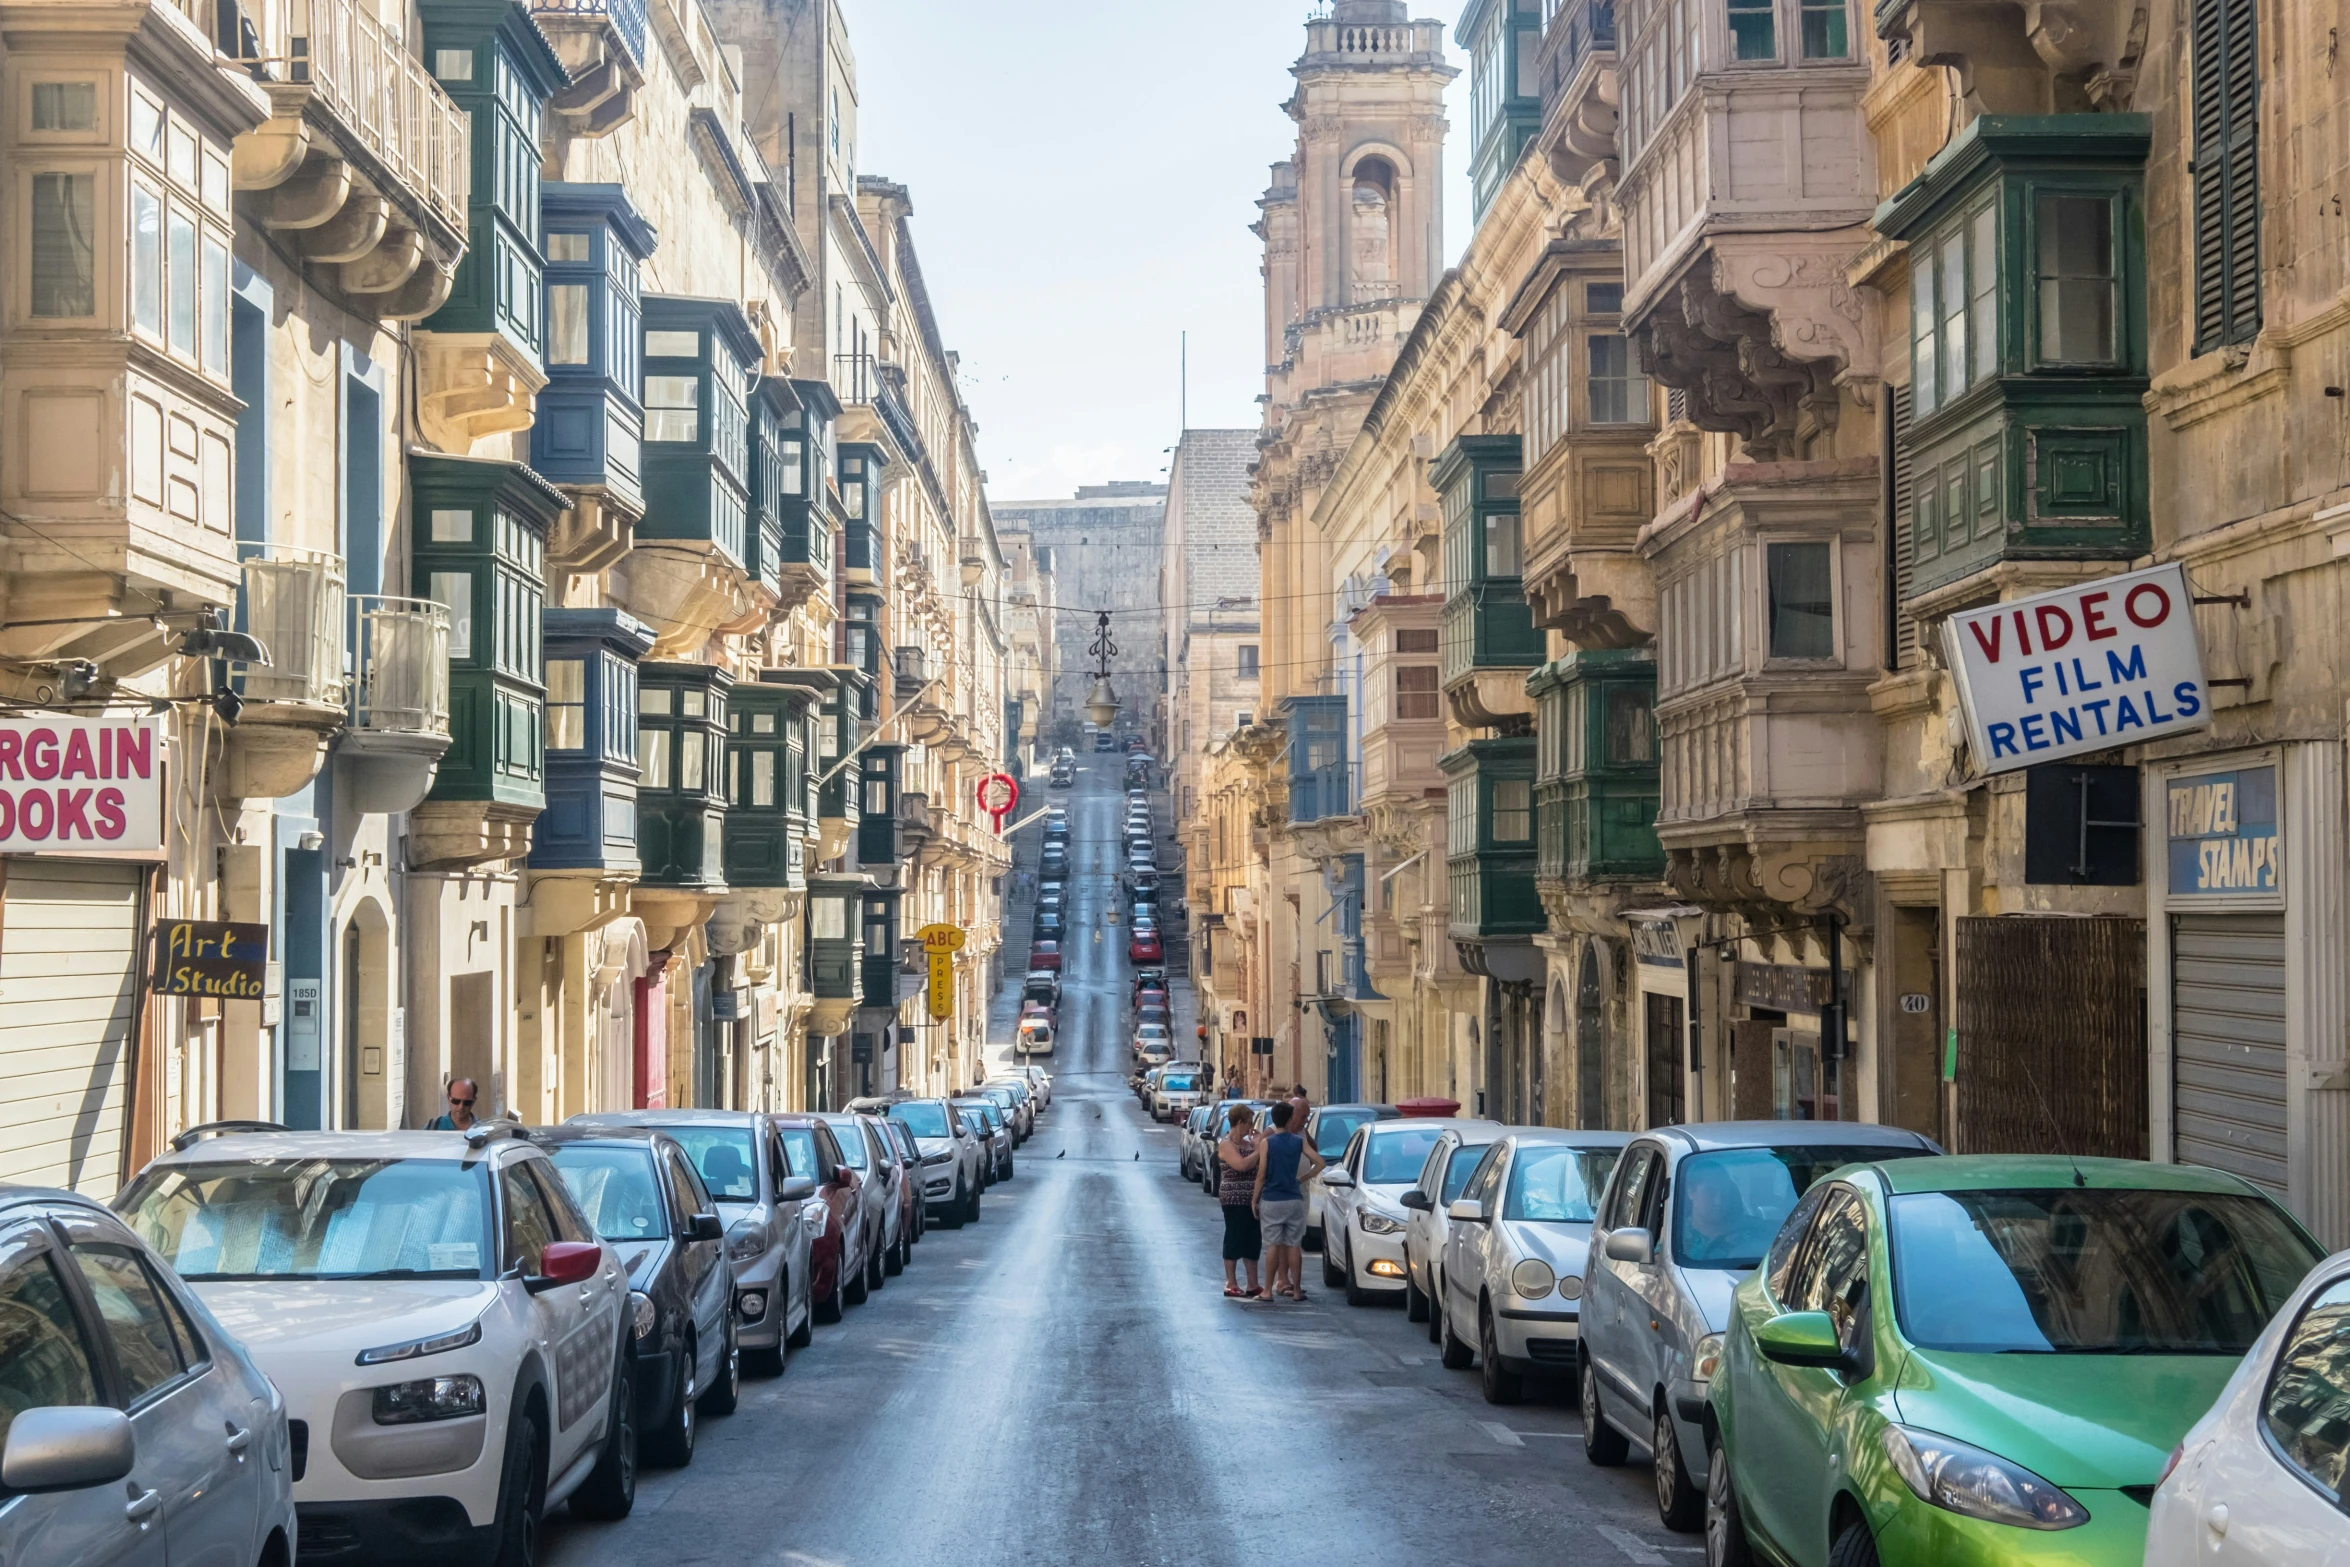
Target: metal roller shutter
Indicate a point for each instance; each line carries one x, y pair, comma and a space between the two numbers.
68, 961
2228, 1044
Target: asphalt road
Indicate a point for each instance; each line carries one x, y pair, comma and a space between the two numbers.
1065, 1383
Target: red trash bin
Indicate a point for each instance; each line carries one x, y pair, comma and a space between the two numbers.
1440, 1108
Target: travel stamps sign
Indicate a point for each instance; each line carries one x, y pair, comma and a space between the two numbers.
83, 785
2089, 668
2223, 834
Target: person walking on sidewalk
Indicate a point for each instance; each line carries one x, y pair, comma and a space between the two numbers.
1243, 1237
1285, 1159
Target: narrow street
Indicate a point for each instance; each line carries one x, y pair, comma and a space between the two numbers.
1064, 1382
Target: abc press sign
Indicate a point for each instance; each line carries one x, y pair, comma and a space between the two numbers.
2090, 668
80, 785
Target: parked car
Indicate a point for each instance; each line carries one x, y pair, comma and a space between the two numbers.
124, 1384
1658, 1289
1362, 1209
768, 1236
2268, 1461
1045, 955
1007, 1109
1154, 1043
1143, 947
899, 1186
1053, 864
836, 1254
952, 1158
1034, 1037
1329, 1128
1061, 777
1047, 926
417, 1279
1516, 1256
1189, 1149
639, 1190
1991, 1358
1154, 1017
1179, 1091
1450, 1164
996, 1137
1042, 1081
1042, 984
1151, 976
876, 1206
1143, 882
910, 1156
1024, 1106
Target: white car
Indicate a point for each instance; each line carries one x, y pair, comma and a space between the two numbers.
450, 1336
2260, 1481
1178, 1092
1328, 1128
1041, 1081
1362, 1205
952, 1151
1450, 1164
1515, 1260
1154, 1044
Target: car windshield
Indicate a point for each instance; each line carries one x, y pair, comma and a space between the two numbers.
1152, 1031
852, 1143
2090, 1271
316, 1218
1183, 1083
1334, 1128
1397, 1158
1729, 1204
1553, 1185
983, 1114
616, 1188
723, 1155
1459, 1167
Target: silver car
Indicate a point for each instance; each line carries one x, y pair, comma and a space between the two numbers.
1024, 1099
1689, 1213
994, 1134
878, 1202
1450, 1164
176, 1435
953, 1158
1516, 1256
768, 1236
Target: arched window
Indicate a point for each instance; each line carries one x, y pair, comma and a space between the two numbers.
1371, 231
1590, 1044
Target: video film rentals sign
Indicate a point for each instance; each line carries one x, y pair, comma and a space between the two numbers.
2090, 668
81, 784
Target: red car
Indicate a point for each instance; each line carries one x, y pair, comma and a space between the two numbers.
1144, 948
1045, 955
813, 1151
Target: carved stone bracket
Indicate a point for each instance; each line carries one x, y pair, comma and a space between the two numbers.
1768, 883
2034, 57
474, 385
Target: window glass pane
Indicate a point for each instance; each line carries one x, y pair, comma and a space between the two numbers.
828, 918
1619, 394
673, 345
1983, 302
48, 1361
2310, 1392
1803, 608
1501, 545
455, 589
2076, 279
566, 704
671, 402
453, 65
146, 260
652, 749
1751, 33
1953, 274
136, 1319
762, 778
1823, 31
691, 747
65, 106
64, 270
1603, 299
179, 280
146, 127
213, 296
567, 322
1631, 731
569, 247
794, 459
1416, 693
654, 699
216, 185
692, 703
1924, 365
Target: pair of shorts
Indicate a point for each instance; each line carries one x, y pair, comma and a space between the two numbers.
1284, 1221
1244, 1241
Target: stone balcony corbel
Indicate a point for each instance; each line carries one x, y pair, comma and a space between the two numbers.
454, 835
687, 592
602, 45
276, 748
474, 385
572, 902
740, 919
2036, 57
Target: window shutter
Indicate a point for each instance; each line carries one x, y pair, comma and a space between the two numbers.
2227, 174
1905, 542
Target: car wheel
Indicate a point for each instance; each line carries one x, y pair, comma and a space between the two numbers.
877, 1269
1356, 1295
1435, 1305
1497, 1382
1331, 1278
727, 1391
1313, 1240
609, 1491
522, 1494
855, 1291
1415, 1304
971, 1213
834, 1307
1678, 1501
1855, 1547
1725, 1525
1455, 1355
1603, 1444
895, 1262
957, 1207
805, 1334
672, 1442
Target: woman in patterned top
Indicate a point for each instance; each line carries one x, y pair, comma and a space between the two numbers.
1243, 1239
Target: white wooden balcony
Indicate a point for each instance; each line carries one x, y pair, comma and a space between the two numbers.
291, 602
399, 725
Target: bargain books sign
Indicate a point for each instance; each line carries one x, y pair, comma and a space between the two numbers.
2089, 668
71, 784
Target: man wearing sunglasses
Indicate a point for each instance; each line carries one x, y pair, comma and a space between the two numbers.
459, 1116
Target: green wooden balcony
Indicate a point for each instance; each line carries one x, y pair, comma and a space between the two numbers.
681, 785
835, 950
766, 786
700, 359
1487, 623
1489, 840
1596, 794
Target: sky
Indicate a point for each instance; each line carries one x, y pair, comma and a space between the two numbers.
1083, 174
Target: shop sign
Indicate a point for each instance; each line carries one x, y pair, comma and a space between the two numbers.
1656, 943
80, 785
942, 985
2223, 834
1783, 987
2106, 664
212, 958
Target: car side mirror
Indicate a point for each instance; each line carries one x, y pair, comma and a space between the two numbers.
705, 1227
1468, 1210
1802, 1338
797, 1188
67, 1449
565, 1262
1336, 1180
1417, 1201
1634, 1246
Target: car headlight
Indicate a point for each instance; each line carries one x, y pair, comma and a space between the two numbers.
1975, 1484
418, 1348
643, 1315
935, 1159
1706, 1364
1377, 1223
428, 1398
1571, 1287
747, 1243
1532, 1279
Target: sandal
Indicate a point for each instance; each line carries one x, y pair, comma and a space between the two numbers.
1298, 1295
1232, 1292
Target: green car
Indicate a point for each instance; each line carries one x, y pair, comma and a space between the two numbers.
1981, 1360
